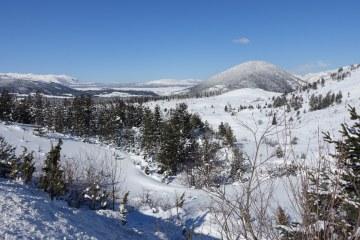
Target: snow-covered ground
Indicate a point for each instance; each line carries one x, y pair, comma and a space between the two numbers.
27, 213
81, 155
308, 127
22, 205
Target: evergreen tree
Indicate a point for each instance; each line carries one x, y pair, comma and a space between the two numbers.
226, 133
169, 150
237, 165
27, 166
222, 129
6, 105
148, 132
338, 97
7, 155
274, 121
38, 109
279, 101
229, 136
22, 111
157, 124
348, 157
192, 159
52, 181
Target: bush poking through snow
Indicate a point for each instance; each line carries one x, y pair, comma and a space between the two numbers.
122, 208
95, 195
179, 203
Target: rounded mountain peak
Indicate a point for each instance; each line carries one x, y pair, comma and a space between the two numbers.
252, 74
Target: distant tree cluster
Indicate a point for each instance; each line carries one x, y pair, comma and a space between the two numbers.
341, 74
318, 102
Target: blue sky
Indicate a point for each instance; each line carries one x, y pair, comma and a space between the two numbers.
133, 40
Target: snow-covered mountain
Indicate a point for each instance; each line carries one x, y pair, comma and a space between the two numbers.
46, 78
253, 74
26, 83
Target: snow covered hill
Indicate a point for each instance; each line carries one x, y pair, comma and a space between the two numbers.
253, 74
47, 78
30, 83
306, 125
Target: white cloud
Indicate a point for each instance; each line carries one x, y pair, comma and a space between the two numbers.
311, 67
242, 40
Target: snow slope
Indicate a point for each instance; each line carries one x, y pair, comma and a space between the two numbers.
27, 213
82, 155
307, 127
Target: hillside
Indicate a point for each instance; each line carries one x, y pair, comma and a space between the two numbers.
27, 213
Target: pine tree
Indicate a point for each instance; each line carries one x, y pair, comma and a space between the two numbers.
38, 109
338, 97
237, 165
7, 155
22, 111
6, 105
229, 136
222, 129
192, 159
27, 166
148, 131
274, 121
52, 181
157, 123
348, 157
170, 148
